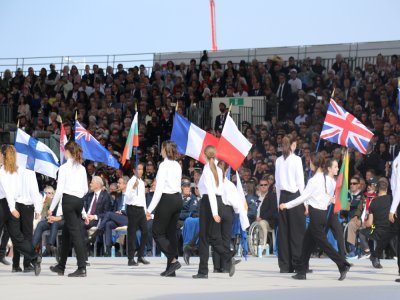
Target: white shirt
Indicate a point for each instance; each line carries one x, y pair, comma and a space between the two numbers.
316, 193
395, 184
207, 186
295, 84
289, 175
29, 190
9, 183
72, 180
168, 181
135, 196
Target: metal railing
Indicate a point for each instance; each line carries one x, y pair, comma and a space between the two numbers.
355, 53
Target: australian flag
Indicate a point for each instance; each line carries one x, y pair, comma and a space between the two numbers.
343, 128
92, 149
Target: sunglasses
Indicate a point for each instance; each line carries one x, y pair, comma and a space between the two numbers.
263, 184
354, 183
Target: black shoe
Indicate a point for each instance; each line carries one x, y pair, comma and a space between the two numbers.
237, 261
142, 260
376, 263
4, 261
299, 276
29, 269
87, 264
397, 280
16, 269
94, 236
170, 275
218, 271
132, 262
57, 269
343, 273
233, 267
78, 273
186, 255
200, 276
172, 268
309, 271
37, 265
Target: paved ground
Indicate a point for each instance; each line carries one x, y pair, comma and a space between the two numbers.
257, 278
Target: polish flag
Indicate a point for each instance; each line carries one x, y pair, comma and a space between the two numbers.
233, 147
63, 142
190, 139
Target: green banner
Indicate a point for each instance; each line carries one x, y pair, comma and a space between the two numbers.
236, 101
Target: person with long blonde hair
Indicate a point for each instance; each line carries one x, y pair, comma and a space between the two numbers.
167, 204
14, 186
211, 208
72, 185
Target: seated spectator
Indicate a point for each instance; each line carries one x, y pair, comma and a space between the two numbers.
113, 219
54, 223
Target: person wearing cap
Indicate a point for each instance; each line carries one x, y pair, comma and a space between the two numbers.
189, 220
294, 82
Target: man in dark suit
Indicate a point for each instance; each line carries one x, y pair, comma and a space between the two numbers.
257, 90
96, 203
393, 148
283, 94
220, 119
113, 219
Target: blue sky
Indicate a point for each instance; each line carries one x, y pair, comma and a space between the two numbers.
83, 27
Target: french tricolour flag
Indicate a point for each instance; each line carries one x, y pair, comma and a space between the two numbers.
190, 139
233, 147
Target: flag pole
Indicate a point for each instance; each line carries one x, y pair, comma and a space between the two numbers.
319, 140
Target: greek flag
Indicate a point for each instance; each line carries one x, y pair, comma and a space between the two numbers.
35, 156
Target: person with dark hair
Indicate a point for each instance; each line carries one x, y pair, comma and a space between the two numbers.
211, 209
331, 170
167, 205
11, 180
71, 188
317, 195
289, 178
135, 210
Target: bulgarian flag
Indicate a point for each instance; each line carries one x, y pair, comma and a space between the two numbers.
131, 141
342, 186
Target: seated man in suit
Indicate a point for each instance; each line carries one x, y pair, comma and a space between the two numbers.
96, 203
54, 223
113, 219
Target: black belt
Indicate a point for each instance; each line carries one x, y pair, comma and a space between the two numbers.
288, 193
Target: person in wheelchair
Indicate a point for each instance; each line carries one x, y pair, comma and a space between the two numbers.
356, 199
267, 211
378, 225
188, 223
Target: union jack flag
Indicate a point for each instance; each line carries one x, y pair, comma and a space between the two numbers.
343, 128
81, 132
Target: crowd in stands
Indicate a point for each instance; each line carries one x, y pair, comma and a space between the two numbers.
105, 101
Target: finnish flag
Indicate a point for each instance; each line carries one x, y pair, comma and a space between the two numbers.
35, 156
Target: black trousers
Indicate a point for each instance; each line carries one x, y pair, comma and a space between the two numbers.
337, 231
386, 236
291, 230
226, 215
27, 213
166, 217
136, 220
3, 242
316, 236
211, 234
13, 227
72, 230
